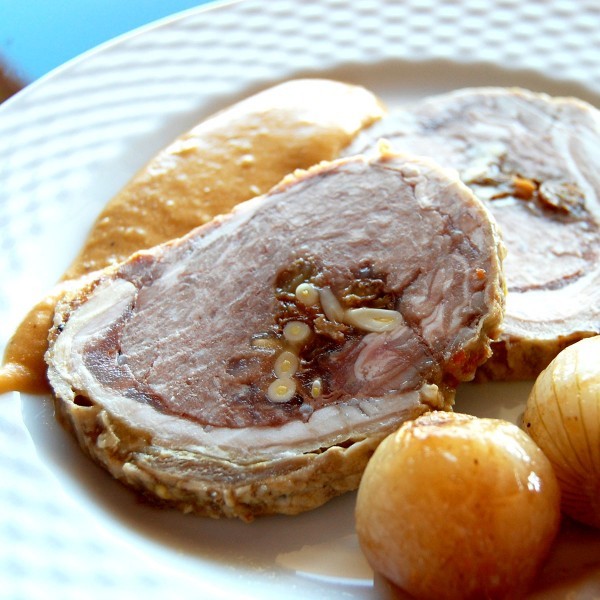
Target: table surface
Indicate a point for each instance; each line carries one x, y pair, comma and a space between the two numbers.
37, 36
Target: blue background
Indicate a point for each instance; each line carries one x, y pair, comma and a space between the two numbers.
38, 35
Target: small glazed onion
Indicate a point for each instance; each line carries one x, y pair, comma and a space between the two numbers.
563, 417
451, 506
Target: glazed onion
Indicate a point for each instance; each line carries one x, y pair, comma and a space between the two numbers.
451, 506
563, 417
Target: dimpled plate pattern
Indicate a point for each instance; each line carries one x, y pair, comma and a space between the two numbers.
71, 140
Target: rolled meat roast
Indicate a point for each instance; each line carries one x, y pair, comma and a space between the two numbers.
252, 366
534, 161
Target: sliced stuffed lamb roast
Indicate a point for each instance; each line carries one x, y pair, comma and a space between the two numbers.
252, 366
535, 162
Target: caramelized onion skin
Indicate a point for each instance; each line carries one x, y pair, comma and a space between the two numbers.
563, 417
452, 507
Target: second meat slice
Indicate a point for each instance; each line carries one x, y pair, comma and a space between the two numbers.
252, 366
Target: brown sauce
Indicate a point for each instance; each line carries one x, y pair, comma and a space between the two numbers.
233, 156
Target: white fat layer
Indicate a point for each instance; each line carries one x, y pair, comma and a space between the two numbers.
556, 310
325, 427
105, 305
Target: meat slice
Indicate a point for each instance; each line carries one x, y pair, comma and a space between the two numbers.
535, 162
252, 366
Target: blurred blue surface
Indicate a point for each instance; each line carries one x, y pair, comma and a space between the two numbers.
37, 36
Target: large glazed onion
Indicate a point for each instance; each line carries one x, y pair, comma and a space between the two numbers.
563, 417
453, 507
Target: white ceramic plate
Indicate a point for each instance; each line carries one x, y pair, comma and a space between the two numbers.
70, 141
